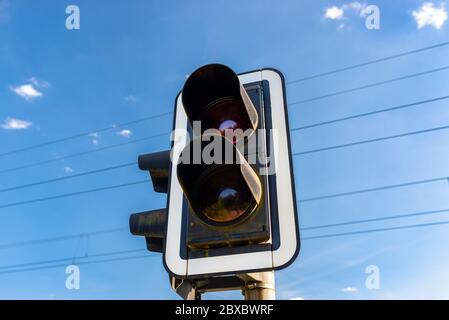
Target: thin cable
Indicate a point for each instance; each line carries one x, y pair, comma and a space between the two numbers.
303, 239
295, 154
169, 113
372, 85
20, 203
75, 254
100, 232
352, 144
79, 135
391, 186
86, 173
376, 230
86, 249
79, 263
360, 115
60, 238
355, 66
104, 254
347, 223
74, 155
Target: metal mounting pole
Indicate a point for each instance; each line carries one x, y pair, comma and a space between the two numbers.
259, 286
254, 286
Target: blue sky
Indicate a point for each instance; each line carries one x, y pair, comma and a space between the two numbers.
130, 59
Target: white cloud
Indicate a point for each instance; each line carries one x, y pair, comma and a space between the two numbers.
27, 91
68, 169
30, 90
95, 138
131, 98
430, 15
334, 13
16, 124
338, 13
125, 133
349, 290
296, 298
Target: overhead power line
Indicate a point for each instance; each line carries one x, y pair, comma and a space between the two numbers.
391, 186
20, 203
392, 217
368, 86
60, 238
74, 155
119, 229
333, 235
66, 195
367, 63
83, 134
294, 154
404, 227
145, 181
365, 114
352, 144
78, 263
78, 154
104, 254
136, 121
78, 175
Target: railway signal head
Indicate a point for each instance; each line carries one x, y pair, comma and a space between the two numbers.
231, 204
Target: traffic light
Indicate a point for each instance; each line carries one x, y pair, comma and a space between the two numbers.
225, 196
151, 224
214, 96
231, 205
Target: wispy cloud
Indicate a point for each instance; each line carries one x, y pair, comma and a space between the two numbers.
131, 98
356, 7
39, 83
430, 15
95, 138
68, 169
349, 290
31, 90
125, 133
16, 124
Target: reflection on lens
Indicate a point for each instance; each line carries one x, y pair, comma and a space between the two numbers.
225, 114
224, 195
227, 125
